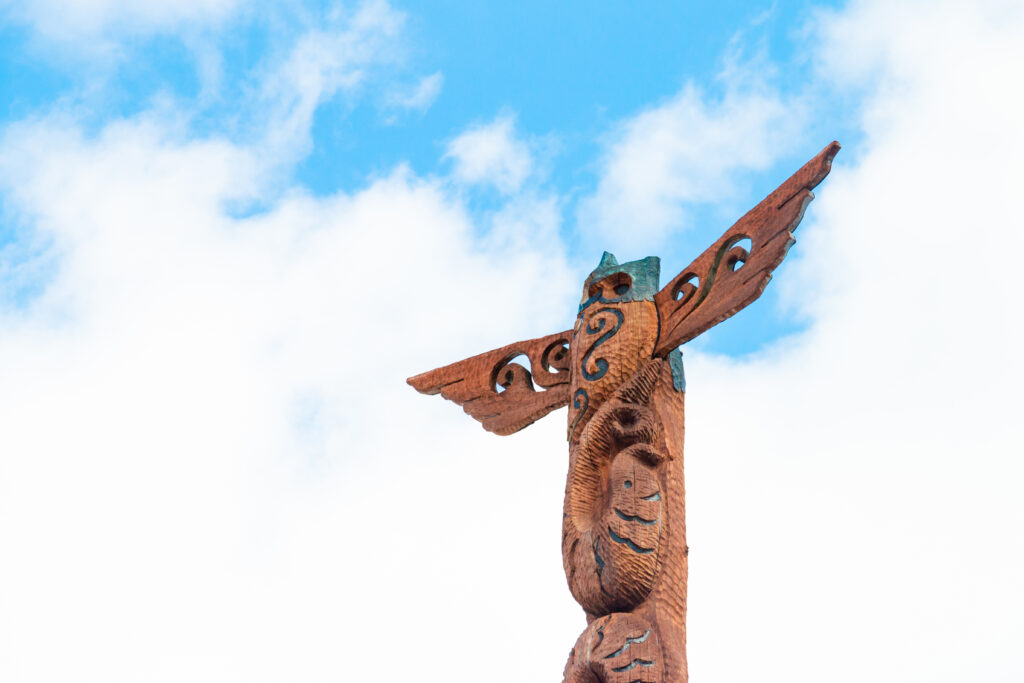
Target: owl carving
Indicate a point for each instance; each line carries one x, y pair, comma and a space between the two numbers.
620, 372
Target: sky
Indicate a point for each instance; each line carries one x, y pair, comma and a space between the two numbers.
229, 231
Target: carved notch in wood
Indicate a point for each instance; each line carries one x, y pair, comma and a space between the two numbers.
499, 392
734, 271
624, 545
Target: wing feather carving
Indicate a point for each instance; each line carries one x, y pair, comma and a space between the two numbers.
728, 276
500, 393
503, 395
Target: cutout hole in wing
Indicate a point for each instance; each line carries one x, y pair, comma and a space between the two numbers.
686, 287
739, 251
508, 375
556, 356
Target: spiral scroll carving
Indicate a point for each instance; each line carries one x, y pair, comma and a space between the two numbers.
624, 546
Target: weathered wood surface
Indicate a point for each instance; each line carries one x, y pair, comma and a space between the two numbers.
623, 529
500, 393
725, 278
729, 275
610, 342
624, 534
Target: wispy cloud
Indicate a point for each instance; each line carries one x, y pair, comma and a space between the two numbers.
92, 20
196, 403
880, 449
211, 468
491, 154
323, 62
421, 96
686, 150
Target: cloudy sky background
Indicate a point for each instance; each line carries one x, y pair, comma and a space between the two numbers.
229, 231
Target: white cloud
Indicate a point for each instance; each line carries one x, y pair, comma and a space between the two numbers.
322, 63
311, 55
422, 96
210, 455
685, 150
211, 468
491, 154
83, 20
209, 451
854, 501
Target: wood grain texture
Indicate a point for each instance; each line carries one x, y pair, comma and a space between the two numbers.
624, 546
734, 271
609, 343
624, 534
500, 393
617, 648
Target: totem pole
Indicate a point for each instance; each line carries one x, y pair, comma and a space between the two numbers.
621, 373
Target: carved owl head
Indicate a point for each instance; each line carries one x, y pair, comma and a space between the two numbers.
612, 282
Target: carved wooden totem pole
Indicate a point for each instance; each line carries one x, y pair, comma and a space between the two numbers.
620, 371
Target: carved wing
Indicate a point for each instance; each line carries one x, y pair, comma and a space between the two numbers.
500, 393
728, 276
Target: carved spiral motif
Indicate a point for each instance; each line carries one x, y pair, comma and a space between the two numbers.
556, 356
596, 325
687, 290
509, 375
608, 346
580, 403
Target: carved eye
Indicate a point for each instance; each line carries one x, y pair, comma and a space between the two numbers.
613, 286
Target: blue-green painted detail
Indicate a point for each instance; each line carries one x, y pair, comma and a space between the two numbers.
580, 401
629, 543
629, 641
600, 581
635, 518
600, 363
675, 361
645, 275
635, 663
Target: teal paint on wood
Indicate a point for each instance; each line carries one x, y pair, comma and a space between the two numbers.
675, 362
644, 276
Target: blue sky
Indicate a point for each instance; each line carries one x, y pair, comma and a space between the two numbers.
229, 231
568, 77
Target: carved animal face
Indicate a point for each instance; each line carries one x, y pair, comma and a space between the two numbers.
612, 282
616, 329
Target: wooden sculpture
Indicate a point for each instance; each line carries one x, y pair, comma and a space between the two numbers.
621, 373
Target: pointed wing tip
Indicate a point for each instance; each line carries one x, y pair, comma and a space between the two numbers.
813, 172
770, 224
829, 153
423, 383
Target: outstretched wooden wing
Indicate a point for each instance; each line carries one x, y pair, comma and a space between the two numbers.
735, 270
500, 393
725, 278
